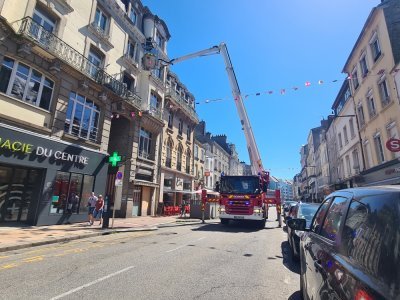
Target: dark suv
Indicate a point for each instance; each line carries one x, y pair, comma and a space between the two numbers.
352, 250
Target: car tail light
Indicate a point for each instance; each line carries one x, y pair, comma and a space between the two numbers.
363, 295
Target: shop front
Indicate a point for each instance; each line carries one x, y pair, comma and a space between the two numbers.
46, 181
176, 189
385, 174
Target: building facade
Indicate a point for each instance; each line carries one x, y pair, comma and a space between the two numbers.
177, 162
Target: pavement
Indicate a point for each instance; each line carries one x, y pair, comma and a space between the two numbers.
19, 236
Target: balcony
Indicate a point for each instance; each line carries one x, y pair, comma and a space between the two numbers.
101, 34
172, 95
131, 63
61, 50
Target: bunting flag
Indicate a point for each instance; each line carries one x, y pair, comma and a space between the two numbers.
284, 90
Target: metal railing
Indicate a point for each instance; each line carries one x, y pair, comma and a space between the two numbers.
68, 54
186, 107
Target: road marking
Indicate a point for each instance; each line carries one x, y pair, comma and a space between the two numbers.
199, 239
91, 283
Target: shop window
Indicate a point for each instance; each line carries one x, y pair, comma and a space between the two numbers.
22, 82
168, 182
70, 194
187, 186
82, 118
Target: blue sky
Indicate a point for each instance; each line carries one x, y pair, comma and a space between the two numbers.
273, 45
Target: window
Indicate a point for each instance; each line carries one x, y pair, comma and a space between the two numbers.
129, 81
368, 236
348, 166
95, 62
82, 118
100, 20
346, 138
360, 112
133, 15
384, 91
354, 77
340, 141
160, 40
188, 132
371, 105
131, 51
196, 151
22, 82
180, 127
356, 162
155, 102
168, 160
378, 148
319, 216
351, 124
364, 66
375, 47
145, 143
70, 194
179, 158
368, 155
45, 28
334, 217
157, 72
188, 161
170, 119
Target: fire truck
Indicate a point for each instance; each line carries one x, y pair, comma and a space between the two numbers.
242, 197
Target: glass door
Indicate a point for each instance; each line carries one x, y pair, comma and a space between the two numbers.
5, 179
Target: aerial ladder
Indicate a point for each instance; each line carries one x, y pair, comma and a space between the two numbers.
235, 209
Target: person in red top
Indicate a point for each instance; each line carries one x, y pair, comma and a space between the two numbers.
98, 209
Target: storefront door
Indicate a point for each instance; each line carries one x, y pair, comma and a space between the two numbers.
19, 190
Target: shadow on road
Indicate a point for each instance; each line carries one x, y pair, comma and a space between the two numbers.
287, 258
233, 227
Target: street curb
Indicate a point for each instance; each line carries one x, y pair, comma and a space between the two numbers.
82, 236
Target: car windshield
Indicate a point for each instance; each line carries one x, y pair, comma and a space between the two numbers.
240, 184
307, 212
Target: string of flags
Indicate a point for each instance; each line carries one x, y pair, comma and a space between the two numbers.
284, 91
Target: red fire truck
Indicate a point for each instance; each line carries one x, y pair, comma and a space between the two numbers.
242, 197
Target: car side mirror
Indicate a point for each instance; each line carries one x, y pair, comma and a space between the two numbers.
297, 224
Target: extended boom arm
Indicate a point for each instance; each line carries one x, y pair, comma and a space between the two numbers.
255, 159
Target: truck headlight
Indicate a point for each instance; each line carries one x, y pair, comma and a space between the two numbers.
222, 209
257, 211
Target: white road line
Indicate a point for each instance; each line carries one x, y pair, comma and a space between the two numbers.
199, 239
91, 283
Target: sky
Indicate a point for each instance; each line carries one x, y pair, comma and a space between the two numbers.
291, 52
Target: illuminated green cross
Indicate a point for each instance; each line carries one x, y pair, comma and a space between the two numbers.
114, 159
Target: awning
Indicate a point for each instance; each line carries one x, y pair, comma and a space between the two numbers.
209, 192
178, 191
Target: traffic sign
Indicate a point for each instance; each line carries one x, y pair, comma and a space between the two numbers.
393, 145
119, 175
118, 182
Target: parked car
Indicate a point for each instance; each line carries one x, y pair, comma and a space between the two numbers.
300, 210
286, 208
352, 249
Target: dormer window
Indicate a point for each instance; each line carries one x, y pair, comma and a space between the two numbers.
159, 40
133, 16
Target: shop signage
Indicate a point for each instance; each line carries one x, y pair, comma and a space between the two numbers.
21, 147
393, 145
392, 171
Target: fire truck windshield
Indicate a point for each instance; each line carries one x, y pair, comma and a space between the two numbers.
240, 185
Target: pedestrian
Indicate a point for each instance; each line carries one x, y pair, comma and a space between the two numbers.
98, 209
91, 205
183, 209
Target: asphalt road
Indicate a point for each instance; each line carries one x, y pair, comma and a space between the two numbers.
206, 261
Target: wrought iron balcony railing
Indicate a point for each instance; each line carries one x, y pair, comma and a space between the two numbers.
54, 45
186, 107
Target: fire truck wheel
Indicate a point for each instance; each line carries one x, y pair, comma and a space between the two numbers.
224, 221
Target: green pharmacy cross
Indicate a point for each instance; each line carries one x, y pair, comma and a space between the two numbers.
114, 159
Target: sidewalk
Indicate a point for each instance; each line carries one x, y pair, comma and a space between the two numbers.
19, 236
